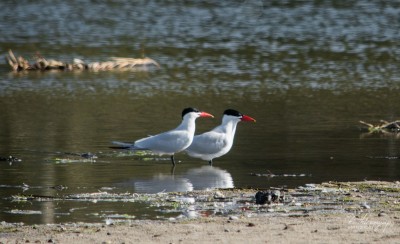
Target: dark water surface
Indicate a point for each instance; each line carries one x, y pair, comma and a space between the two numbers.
307, 71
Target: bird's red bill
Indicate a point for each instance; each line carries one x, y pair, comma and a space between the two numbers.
247, 118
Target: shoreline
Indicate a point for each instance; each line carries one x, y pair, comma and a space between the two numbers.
330, 212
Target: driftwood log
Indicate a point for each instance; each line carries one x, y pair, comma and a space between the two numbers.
385, 126
42, 64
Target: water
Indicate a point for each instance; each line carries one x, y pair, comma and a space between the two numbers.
307, 71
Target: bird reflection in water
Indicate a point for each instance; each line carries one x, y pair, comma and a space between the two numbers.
202, 178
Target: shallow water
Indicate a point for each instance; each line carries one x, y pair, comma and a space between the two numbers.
308, 72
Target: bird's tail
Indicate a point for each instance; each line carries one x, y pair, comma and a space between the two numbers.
121, 145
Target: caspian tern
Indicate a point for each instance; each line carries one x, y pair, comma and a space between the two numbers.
219, 141
172, 141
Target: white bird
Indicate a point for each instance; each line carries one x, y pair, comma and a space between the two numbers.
172, 141
219, 141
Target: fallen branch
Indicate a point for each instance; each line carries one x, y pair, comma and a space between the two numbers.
385, 126
42, 64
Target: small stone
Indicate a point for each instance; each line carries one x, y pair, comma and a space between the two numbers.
365, 205
382, 214
276, 196
226, 230
263, 197
287, 227
251, 224
219, 195
233, 217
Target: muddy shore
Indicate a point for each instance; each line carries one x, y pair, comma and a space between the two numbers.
332, 212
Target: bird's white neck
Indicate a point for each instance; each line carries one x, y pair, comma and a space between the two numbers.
229, 126
188, 124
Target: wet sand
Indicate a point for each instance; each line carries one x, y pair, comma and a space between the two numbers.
334, 212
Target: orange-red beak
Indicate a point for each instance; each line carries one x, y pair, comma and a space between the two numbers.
247, 118
205, 114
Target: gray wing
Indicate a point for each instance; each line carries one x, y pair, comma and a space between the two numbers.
168, 142
208, 143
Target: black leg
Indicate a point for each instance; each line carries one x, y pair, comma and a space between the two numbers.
173, 160
210, 162
173, 169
